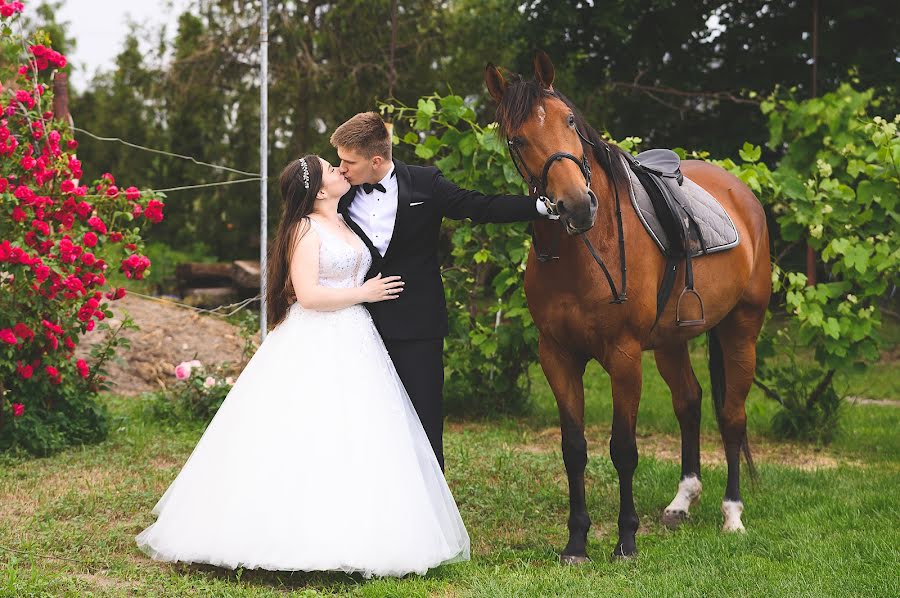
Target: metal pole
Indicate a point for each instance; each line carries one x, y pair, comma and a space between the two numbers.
810, 254
263, 163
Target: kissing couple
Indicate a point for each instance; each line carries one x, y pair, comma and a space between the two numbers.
327, 454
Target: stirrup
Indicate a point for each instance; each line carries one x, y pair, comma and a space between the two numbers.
678, 320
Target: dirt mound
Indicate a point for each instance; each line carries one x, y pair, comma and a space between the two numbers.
168, 335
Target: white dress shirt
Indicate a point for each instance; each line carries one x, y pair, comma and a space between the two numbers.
376, 212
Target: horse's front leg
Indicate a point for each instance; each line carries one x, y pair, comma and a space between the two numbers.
624, 367
564, 372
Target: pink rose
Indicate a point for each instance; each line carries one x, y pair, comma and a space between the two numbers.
18, 409
209, 382
183, 370
97, 224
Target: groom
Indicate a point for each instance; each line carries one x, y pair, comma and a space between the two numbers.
397, 211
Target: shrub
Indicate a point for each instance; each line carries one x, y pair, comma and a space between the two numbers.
58, 239
836, 188
196, 394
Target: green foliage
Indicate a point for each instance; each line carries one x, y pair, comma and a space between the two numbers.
836, 188
811, 407
689, 73
196, 394
492, 338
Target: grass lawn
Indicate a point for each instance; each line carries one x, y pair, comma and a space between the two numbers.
820, 522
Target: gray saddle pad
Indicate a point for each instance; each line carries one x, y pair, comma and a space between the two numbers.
716, 226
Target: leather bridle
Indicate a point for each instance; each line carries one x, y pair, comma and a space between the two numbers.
538, 188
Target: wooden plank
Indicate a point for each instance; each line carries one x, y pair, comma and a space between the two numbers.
245, 274
191, 271
210, 297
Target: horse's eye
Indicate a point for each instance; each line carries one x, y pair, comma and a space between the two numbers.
517, 141
571, 120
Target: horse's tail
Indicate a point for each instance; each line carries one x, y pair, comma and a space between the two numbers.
717, 381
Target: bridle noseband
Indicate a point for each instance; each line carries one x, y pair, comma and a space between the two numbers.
538, 188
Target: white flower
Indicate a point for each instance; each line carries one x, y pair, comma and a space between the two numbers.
209, 382
229, 381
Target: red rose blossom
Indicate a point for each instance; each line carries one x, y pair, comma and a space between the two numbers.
82, 367
25, 371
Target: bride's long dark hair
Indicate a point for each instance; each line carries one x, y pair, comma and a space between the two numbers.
297, 203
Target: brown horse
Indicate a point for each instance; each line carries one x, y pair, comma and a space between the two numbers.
570, 300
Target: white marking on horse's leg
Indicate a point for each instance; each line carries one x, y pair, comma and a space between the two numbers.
688, 493
732, 510
542, 114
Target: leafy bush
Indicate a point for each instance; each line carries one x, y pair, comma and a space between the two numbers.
837, 188
58, 239
196, 394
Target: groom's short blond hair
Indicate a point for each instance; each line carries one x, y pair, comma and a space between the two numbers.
366, 134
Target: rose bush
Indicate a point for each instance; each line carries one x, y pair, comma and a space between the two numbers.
59, 239
196, 394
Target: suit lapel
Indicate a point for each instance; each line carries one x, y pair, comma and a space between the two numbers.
404, 194
344, 209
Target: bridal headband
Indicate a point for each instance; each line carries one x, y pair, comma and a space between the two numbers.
305, 173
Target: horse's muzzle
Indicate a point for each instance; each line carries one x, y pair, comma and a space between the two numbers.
577, 215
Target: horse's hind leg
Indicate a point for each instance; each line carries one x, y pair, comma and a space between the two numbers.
674, 365
564, 372
732, 349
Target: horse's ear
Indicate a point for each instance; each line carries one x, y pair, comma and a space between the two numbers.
495, 82
543, 69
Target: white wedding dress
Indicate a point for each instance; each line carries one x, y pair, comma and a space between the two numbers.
316, 459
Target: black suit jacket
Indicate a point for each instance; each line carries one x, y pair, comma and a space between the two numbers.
424, 198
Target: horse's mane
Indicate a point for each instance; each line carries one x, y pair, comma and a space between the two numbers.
517, 103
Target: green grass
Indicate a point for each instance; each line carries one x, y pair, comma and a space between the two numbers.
67, 522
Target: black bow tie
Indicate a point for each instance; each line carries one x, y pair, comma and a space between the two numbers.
368, 188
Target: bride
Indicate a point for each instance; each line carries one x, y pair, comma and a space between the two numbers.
316, 460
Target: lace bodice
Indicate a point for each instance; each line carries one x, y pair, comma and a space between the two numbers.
341, 266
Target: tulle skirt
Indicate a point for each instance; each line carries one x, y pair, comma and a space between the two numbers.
315, 461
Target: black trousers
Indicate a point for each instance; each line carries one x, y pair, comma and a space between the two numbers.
420, 364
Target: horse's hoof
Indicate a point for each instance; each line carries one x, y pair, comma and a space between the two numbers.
573, 559
732, 510
621, 553
734, 527
673, 519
